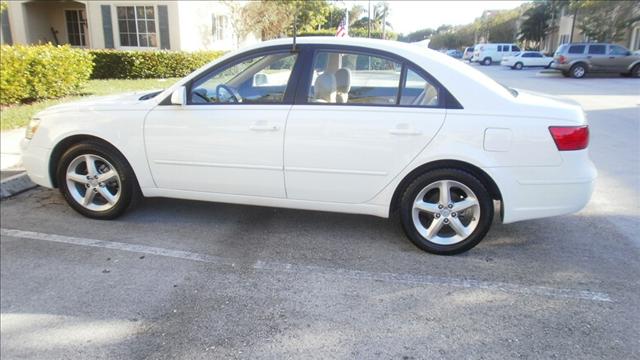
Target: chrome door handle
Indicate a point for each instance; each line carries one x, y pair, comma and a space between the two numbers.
263, 127
404, 132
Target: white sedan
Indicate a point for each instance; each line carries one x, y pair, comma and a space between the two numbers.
527, 59
346, 125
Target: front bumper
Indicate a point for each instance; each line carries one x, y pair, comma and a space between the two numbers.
35, 160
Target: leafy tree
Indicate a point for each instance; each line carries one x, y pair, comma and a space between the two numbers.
536, 22
606, 21
417, 35
274, 18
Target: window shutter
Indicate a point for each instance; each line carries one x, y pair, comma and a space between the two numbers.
107, 26
163, 27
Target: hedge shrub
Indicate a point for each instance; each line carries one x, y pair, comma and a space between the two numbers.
41, 72
121, 64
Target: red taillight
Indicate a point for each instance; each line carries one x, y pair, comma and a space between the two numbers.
570, 137
562, 59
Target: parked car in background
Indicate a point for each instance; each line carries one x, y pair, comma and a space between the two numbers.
486, 54
468, 53
457, 54
527, 59
578, 59
353, 125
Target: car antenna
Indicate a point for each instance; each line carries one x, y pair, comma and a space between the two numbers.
295, 30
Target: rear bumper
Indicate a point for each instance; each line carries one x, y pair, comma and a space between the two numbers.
538, 192
36, 161
562, 67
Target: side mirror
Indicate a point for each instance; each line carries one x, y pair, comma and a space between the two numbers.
179, 96
628, 53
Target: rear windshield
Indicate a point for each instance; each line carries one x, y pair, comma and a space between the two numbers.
576, 49
561, 49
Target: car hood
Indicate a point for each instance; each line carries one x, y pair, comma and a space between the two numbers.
123, 101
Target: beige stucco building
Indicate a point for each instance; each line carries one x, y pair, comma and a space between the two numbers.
561, 33
123, 24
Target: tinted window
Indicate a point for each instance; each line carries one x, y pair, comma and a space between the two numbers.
515, 48
597, 49
500, 48
576, 49
354, 78
258, 80
536, 55
617, 50
527, 55
561, 49
418, 91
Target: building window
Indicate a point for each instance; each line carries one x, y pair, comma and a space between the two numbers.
137, 26
219, 26
76, 27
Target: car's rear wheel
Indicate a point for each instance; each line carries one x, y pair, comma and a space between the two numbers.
518, 66
446, 211
487, 61
578, 71
635, 72
96, 180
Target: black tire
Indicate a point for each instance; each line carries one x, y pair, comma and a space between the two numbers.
414, 188
635, 72
487, 61
129, 188
518, 66
578, 71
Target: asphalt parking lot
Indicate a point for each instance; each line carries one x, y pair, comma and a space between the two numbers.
195, 280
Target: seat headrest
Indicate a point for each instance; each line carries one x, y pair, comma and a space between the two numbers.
343, 80
325, 88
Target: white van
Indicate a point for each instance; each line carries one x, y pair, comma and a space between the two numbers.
489, 53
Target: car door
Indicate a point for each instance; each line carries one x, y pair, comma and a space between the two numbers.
598, 58
536, 59
619, 58
351, 130
228, 137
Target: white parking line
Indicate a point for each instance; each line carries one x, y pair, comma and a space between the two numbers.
415, 279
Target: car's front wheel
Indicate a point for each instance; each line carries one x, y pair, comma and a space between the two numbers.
487, 61
518, 66
446, 211
96, 180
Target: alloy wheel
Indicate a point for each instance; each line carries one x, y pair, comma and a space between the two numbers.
446, 212
93, 182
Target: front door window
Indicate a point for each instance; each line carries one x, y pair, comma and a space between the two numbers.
258, 80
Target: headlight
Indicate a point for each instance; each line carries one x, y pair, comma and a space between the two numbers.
32, 128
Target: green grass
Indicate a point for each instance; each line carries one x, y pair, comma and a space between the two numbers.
16, 116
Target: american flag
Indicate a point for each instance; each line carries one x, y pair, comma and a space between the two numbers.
342, 30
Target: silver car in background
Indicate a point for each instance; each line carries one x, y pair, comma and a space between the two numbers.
578, 59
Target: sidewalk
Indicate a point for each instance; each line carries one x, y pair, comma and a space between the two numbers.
10, 149
13, 178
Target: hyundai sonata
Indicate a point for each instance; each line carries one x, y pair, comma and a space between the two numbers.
346, 125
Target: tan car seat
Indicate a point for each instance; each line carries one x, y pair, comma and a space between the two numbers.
325, 89
343, 85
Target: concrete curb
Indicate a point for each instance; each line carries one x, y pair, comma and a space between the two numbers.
15, 184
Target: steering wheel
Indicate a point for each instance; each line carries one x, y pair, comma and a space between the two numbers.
233, 94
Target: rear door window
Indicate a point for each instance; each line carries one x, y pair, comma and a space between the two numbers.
597, 49
576, 49
354, 79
